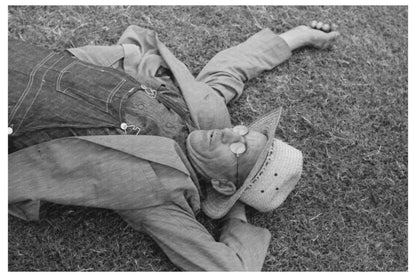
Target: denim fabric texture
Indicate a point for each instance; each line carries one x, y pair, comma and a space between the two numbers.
50, 90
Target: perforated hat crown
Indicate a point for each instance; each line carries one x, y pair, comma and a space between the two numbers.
274, 175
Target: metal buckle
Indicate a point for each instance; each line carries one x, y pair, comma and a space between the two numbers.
124, 127
149, 91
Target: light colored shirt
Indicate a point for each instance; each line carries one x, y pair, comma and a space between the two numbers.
148, 180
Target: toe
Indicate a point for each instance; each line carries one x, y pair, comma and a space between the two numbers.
313, 24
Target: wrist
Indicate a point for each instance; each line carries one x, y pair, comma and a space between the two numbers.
296, 37
237, 211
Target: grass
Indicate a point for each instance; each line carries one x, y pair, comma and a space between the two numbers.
346, 109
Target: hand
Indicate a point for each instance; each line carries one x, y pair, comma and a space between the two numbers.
237, 211
322, 35
317, 34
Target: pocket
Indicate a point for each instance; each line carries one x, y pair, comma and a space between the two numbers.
92, 85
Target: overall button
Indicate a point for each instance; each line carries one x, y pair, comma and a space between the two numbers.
134, 128
141, 107
169, 125
10, 131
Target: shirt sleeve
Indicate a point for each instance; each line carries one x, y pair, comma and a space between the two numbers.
187, 243
227, 71
136, 53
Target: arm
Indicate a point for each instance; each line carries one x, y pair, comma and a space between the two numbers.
229, 69
241, 247
136, 53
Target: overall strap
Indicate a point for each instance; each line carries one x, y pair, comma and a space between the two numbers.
169, 95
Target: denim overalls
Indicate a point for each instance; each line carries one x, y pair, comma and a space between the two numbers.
53, 94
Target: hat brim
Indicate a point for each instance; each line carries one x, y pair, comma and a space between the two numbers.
217, 205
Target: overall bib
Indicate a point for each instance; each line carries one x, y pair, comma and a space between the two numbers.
53, 95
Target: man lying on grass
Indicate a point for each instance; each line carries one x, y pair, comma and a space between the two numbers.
128, 128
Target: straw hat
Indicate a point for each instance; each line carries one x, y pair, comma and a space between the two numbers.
273, 177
